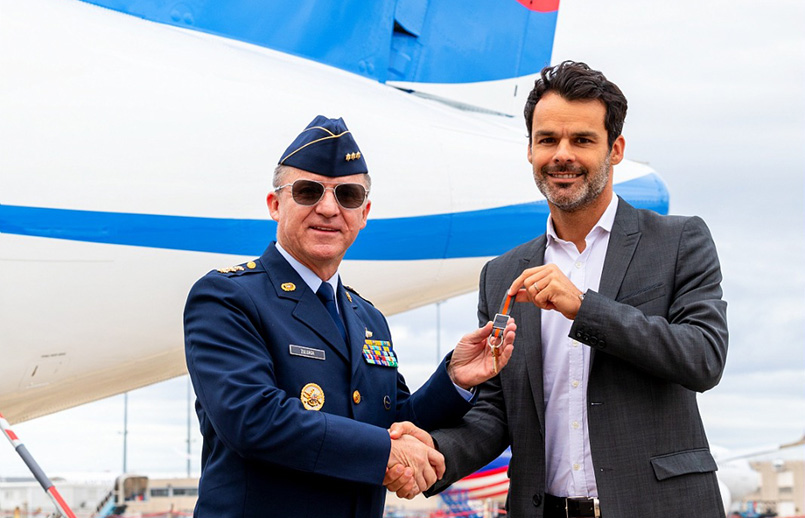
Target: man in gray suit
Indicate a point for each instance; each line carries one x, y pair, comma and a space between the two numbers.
620, 323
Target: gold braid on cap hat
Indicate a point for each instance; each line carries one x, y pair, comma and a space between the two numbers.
331, 136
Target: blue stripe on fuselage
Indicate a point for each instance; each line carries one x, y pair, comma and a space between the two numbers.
478, 233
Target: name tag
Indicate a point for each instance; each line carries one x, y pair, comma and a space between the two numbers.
307, 352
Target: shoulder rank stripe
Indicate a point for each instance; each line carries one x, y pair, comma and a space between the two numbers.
231, 269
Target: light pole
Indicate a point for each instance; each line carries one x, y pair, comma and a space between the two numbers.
189, 392
125, 429
439, 332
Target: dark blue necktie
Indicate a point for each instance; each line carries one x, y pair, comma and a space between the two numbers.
327, 297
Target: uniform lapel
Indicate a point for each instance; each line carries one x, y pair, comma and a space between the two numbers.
308, 309
311, 312
356, 331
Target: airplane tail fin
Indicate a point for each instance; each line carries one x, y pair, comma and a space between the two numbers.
467, 41
426, 41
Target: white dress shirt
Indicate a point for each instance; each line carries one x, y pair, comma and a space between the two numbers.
566, 365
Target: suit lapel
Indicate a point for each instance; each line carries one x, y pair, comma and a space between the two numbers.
308, 308
622, 244
529, 327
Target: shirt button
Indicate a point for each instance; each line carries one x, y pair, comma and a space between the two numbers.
575, 425
574, 343
576, 467
579, 264
575, 383
356, 397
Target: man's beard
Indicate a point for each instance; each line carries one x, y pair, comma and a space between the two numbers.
571, 199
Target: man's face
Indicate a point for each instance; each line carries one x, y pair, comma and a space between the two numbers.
319, 235
569, 154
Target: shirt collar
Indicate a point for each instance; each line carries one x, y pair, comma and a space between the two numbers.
311, 279
605, 222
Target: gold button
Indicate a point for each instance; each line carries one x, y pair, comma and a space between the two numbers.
356, 397
251, 265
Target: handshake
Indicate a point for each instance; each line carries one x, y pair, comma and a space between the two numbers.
414, 464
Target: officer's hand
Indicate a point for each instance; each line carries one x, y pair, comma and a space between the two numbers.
427, 463
547, 287
400, 479
472, 362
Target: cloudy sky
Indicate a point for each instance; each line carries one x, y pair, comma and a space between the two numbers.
716, 93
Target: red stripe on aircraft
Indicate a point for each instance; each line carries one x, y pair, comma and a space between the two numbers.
542, 6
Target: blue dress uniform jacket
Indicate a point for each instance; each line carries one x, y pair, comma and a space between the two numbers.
264, 453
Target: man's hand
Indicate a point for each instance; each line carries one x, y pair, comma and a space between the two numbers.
411, 460
472, 362
400, 479
397, 430
547, 287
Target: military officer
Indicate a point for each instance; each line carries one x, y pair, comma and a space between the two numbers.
295, 374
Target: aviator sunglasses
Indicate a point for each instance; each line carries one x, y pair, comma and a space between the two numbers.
310, 192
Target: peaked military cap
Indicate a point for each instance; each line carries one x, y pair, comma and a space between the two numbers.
325, 147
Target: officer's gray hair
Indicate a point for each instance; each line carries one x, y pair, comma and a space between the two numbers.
281, 172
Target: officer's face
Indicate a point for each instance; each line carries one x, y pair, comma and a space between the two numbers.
319, 235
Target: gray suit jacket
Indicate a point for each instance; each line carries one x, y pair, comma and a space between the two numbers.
658, 333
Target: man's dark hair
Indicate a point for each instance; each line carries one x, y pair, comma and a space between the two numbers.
577, 81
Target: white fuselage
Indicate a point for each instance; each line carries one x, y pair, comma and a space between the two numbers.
105, 115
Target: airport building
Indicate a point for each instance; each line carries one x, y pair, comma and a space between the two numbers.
782, 488
25, 497
128, 496
782, 491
